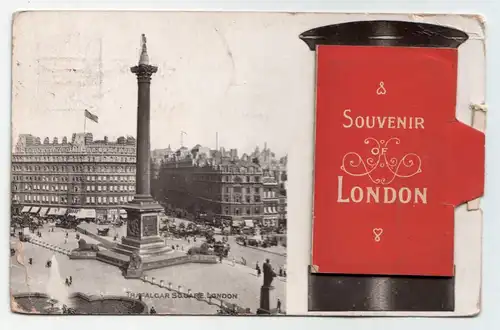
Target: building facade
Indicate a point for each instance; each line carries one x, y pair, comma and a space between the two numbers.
220, 183
229, 190
270, 198
81, 175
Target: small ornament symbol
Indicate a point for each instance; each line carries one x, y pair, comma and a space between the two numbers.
381, 89
377, 232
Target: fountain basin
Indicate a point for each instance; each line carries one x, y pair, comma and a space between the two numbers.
41, 303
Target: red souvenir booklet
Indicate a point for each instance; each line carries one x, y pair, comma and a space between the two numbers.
389, 161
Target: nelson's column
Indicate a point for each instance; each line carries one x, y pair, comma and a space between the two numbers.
143, 240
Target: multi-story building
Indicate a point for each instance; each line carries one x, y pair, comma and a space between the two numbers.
87, 178
271, 199
157, 157
213, 182
219, 182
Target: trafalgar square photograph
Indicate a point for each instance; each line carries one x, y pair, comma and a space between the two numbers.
149, 163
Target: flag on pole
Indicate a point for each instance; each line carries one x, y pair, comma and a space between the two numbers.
91, 116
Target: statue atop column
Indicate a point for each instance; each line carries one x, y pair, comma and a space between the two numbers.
144, 59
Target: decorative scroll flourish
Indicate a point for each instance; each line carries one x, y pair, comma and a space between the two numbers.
407, 166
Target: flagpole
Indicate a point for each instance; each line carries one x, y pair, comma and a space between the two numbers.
84, 124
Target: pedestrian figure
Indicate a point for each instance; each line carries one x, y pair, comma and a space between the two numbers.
67, 281
278, 305
173, 247
140, 296
65, 241
281, 271
234, 262
70, 280
152, 310
66, 234
220, 258
257, 268
182, 247
30, 260
189, 241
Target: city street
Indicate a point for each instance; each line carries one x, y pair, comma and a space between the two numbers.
254, 255
94, 278
251, 255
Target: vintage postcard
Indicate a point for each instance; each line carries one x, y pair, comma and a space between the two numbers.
232, 163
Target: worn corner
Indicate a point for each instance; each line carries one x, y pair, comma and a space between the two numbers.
474, 205
481, 20
17, 15
14, 306
314, 269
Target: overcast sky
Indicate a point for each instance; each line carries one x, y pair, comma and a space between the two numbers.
242, 75
246, 76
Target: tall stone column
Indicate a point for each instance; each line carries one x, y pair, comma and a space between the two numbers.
142, 212
143, 171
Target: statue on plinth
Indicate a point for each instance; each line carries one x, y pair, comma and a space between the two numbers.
265, 300
134, 267
83, 246
135, 261
269, 273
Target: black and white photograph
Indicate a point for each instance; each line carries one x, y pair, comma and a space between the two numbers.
149, 170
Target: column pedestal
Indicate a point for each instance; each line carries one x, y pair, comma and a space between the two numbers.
265, 300
143, 229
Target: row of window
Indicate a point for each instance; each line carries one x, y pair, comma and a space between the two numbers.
111, 188
247, 199
115, 178
74, 200
46, 187
107, 200
239, 190
121, 178
75, 159
73, 168
245, 211
174, 166
227, 178
237, 211
269, 194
